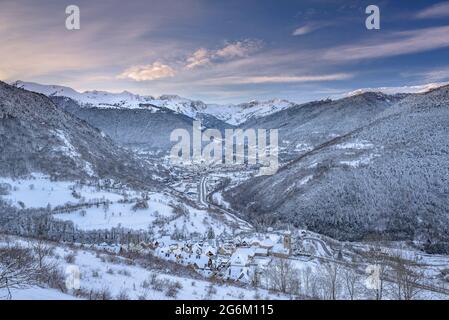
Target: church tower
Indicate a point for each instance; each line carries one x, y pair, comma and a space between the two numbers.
288, 241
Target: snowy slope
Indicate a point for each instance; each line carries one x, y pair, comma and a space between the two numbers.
123, 279
395, 90
36, 293
38, 136
99, 99
238, 114
39, 191
232, 114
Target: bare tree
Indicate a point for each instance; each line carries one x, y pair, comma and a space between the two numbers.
283, 276
18, 268
42, 250
406, 276
351, 281
306, 281
255, 276
332, 280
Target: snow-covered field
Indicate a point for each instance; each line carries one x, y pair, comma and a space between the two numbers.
36, 293
159, 217
39, 192
117, 208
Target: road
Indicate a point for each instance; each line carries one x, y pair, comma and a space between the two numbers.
203, 200
322, 243
202, 194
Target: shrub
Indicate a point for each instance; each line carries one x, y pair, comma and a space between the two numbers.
70, 258
173, 289
124, 272
140, 205
123, 295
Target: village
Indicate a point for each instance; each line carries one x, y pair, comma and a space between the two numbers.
240, 258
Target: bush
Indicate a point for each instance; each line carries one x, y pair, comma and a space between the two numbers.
158, 284
124, 272
103, 294
5, 188
123, 295
95, 274
211, 290
145, 284
57, 279
70, 258
140, 205
173, 289
19, 267
180, 209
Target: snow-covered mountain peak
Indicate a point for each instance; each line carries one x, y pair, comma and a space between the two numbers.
396, 90
233, 114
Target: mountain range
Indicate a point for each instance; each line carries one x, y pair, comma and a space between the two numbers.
375, 166
232, 114
368, 165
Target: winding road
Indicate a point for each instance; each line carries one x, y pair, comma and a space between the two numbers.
203, 200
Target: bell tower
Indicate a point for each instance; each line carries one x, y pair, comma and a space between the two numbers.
288, 241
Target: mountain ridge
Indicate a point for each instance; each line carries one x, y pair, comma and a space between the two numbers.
39, 137
233, 114
387, 178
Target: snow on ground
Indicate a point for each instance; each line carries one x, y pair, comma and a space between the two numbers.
35, 293
116, 215
305, 180
394, 90
358, 162
355, 145
233, 114
219, 200
68, 149
160, 217
124, 279
301, 147
66, 146
38, 191
98, 99
237, 114
133, 280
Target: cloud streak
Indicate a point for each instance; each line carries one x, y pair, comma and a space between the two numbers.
280, 79
309, 28
303, 30
231, 51
439, 10
239, 49
399, 43
148, 72
199, 58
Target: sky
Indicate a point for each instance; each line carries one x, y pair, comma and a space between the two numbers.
225, 51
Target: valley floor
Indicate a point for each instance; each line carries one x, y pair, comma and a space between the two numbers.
200, 249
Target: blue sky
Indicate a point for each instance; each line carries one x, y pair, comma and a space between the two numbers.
226, 51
